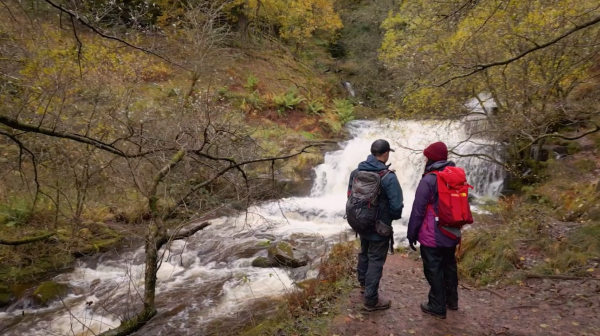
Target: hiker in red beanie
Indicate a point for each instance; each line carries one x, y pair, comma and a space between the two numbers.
437, 246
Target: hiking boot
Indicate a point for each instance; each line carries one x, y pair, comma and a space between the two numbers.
452, 306
452, 298
425, 308
382, 304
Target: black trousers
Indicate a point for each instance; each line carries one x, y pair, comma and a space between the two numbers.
439, 265
371, 258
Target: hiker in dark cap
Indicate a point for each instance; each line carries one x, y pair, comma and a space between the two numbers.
437, 246
387, 205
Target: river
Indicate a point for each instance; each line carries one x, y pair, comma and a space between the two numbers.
209, 278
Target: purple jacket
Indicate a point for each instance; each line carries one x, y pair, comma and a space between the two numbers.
422, 225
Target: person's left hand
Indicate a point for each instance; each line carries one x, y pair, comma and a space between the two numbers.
412, 243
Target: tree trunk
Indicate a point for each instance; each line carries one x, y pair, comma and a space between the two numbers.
151, 267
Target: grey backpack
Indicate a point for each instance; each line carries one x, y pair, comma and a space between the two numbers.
362, 207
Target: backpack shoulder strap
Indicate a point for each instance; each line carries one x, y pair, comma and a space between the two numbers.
383, 173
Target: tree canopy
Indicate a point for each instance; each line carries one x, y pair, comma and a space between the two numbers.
535, 59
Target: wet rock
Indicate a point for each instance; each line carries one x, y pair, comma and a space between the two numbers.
237, 251
266, 236
49, 291
264, 262
560, 151
287, 255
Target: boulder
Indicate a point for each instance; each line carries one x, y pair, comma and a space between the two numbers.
49, 291
286, 255
264, 262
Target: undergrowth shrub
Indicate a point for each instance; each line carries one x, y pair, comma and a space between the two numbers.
15, 211
491, 254
253, 101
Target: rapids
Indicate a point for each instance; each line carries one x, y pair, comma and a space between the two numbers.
209, 278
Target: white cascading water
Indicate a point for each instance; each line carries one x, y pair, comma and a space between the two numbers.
209, 278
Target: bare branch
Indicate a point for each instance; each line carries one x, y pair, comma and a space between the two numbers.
33, 159
77, 17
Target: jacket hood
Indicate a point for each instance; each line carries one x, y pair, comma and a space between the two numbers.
372, 164
439, 165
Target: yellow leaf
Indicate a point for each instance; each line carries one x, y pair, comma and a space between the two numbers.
590, 270
544, 325
575, 323
522, 258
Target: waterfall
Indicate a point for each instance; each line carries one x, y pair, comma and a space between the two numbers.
210, 277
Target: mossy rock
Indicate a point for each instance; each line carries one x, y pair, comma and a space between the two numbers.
49, 291
264, 262
286, 255
6, 295
97, 246
265, 243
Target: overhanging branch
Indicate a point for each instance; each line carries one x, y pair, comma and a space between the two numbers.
481, 67
232, 165
558, 135
181, 235
26, 240
16, 124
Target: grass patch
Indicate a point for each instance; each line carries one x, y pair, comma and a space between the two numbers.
487, 256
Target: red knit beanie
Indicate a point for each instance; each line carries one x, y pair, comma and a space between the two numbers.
437, 151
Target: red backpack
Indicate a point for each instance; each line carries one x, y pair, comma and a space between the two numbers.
453, 197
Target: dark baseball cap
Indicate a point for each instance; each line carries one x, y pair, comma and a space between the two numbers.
380, 147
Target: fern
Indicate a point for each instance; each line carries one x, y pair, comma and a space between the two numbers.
315, 107
251, 83
344, 110
288, 101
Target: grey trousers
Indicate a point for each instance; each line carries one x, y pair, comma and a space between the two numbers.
371, 258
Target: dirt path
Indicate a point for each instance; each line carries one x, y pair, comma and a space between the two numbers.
538, 307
